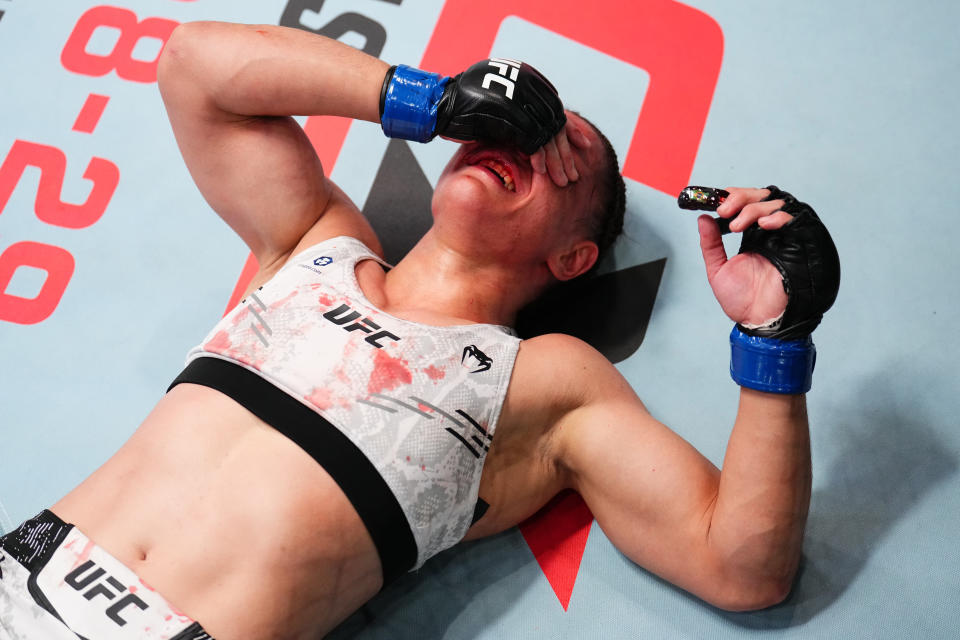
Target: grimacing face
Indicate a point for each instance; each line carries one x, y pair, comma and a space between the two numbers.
489, 197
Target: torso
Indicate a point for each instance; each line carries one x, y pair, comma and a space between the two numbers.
230, 521
242, 530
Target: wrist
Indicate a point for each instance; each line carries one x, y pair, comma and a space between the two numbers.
408, 103
772, 365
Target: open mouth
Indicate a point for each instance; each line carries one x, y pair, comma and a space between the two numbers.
510, 168
500, 172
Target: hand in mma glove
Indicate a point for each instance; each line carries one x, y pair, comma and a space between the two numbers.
776, 289
499, 101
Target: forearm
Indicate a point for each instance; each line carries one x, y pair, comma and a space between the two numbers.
264, 70
764, 493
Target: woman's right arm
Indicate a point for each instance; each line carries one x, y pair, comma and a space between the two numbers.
230, 90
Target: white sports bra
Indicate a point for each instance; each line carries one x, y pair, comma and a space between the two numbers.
419, 402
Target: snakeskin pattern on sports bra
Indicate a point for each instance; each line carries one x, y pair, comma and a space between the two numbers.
421, 402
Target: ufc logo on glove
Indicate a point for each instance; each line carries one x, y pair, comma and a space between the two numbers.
503, 65
419, 105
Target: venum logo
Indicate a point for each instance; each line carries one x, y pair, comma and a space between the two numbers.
344, 314
504, 67
475, 360
102, 587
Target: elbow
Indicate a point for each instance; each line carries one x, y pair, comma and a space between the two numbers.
182, 50
754, 598
752, 594
171, 58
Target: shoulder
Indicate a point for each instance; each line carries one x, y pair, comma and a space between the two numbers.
557, 347
556, 377
565, 397
584, 401
559, 359
321, 251
341, 218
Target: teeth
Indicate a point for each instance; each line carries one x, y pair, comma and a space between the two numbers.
502, 172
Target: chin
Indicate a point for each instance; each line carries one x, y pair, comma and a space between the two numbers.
460, 196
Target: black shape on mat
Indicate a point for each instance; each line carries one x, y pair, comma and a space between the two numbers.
610, 312
398, 206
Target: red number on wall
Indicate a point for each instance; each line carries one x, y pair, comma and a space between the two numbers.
57, 262
76, 58
53, 163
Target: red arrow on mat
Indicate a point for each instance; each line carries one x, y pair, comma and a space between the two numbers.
557, 536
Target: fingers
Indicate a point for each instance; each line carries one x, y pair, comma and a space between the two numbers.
539, 160
577, 136
738, 199
749, 207
558, 158
711, 244
753, 212
566, 156
555, 164
775, 220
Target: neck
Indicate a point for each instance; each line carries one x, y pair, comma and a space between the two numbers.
438, 281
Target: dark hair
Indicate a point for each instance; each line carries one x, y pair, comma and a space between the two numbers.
605, 223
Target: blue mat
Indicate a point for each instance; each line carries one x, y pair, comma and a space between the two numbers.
850, 106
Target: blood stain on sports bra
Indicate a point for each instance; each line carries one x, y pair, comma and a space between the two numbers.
435, 373
388, 373
282, 301
219, 343
325, 300
321, 397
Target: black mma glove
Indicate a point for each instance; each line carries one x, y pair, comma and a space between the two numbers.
498, 100
780, 357
804, 253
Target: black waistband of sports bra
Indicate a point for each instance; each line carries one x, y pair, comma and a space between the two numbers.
363, 485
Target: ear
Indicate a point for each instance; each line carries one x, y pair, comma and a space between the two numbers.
574, 261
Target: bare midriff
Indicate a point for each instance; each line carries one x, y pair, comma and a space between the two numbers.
230, 521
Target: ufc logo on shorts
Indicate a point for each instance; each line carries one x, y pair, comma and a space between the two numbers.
101, 584
505, 67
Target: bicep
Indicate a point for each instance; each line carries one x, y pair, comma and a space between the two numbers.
260, 174
651, 491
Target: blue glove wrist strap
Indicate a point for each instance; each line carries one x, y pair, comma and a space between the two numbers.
409, 109
771, 365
